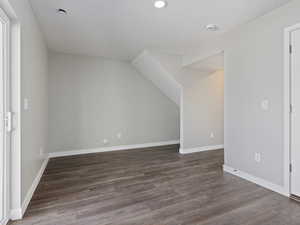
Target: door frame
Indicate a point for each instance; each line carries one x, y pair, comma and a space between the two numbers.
287, 106
7, 108
15, 199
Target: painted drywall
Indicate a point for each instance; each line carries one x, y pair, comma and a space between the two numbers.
34, 88
152, 69
254, 65
210, 64
203, 109
202, 100
92, 99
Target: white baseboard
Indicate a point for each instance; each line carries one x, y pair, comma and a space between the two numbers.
110, 149
259, 181
17, 214
200, 149
4, 222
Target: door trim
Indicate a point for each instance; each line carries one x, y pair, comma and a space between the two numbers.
6, 108
15, 76
286, 109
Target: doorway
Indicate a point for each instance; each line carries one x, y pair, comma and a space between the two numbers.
5, 116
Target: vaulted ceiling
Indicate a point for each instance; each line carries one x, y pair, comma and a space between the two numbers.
121, 29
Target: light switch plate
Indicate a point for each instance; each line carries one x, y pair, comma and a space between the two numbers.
257, 157
26, 104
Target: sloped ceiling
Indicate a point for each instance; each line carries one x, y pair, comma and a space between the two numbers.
151, 68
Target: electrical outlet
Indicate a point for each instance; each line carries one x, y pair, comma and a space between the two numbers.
212, 135
41, 151
105, 141
257, 157
265, 105
119, 135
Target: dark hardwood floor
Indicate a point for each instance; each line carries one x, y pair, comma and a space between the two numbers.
152, 187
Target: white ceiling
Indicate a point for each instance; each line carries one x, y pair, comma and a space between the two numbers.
123, 28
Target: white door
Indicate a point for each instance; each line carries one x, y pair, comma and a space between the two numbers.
5, 121
295, 114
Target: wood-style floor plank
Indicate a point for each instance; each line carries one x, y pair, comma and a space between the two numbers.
155, 186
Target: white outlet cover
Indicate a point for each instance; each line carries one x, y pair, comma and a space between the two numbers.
119, 135
105, 141
212, 135
41, 151
265, 105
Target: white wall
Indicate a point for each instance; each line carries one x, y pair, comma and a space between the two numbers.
202, 101
34, 87
92, 99
203, 109
253, 72
153, 70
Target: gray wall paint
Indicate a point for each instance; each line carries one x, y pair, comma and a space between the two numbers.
203, 109
202, 102
152, 69
92, 99
34, 87
253, 72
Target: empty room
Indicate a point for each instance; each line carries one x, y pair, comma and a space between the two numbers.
149, 112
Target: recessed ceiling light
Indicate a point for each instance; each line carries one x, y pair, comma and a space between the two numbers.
159, 4
62, 11
212, 27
